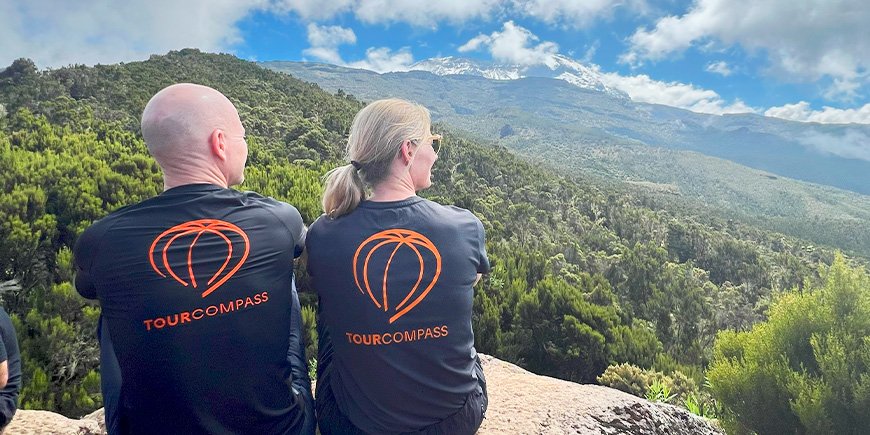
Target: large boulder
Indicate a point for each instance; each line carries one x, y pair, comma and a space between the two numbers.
520, 402
29, 422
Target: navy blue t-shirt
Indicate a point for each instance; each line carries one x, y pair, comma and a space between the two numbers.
395, 286
9, 353
195, 285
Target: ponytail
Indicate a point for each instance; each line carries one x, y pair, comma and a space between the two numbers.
376, 134
343, 192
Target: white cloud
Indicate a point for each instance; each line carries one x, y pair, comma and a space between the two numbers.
425, 13
802, 112
515, 45
385, 60
330, 36
429, 13
325, 41
313, 9
474, 44
644, 89
56, 33
851, 144
590, 52
575, 13
803, 40
721, 67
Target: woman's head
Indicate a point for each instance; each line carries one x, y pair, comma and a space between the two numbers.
381, 132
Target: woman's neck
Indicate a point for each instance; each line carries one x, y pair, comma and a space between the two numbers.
392, 190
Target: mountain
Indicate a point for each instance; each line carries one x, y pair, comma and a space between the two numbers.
796, 178
557, 67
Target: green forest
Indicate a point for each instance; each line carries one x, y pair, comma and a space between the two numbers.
590, 283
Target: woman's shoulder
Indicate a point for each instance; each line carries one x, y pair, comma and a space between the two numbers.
450, 210
322, 221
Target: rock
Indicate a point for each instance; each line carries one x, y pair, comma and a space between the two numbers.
520, 402
28, 422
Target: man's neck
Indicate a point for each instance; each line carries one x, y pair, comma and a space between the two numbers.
170, 182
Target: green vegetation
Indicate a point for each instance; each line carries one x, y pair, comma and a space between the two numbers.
807, 368
584, 277
643, 383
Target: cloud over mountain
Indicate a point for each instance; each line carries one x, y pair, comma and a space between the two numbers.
513, 44
807, 40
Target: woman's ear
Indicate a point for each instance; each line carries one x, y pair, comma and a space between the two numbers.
406, 152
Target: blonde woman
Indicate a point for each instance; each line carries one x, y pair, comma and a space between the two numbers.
394, 273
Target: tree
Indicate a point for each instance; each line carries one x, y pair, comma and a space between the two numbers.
807, 368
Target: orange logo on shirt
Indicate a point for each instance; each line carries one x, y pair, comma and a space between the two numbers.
398, 238
191, 232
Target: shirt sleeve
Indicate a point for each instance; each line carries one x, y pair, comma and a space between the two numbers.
300, 240
3, 355
83, 254
292, 220
483, 264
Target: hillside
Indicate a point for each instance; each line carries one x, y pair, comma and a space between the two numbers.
584, 277
765, 171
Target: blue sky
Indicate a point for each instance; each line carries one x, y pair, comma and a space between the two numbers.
806, 60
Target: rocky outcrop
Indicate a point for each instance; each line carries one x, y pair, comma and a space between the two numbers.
27, 422
519, 403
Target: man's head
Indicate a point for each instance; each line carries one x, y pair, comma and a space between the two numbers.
195, 134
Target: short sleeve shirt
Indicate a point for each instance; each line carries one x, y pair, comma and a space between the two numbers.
9, 352
395, 286
195, 285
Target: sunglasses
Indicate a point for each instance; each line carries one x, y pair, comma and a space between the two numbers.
436, 142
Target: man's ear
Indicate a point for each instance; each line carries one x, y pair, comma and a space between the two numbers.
218, 144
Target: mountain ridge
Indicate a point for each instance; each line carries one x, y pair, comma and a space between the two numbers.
557, 67
741, 166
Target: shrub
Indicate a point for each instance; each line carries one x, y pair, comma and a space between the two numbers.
638, 382
807, 368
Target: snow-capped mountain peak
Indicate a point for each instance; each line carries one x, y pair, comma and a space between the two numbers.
556, 67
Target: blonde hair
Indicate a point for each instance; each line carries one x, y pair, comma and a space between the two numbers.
376, 135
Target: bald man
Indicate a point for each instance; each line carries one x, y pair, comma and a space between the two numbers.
196, 285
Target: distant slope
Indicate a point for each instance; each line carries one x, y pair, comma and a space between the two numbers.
594, 132
836, 155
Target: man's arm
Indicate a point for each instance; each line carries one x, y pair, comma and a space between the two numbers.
82, 253
300, 240
4, 366
4, 373
296, 347
483, 266
84, 284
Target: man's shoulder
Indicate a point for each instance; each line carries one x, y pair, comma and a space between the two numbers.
268, 202
100, 227
286, 213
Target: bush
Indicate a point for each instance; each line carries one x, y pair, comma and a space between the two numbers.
807, 368
639, 382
